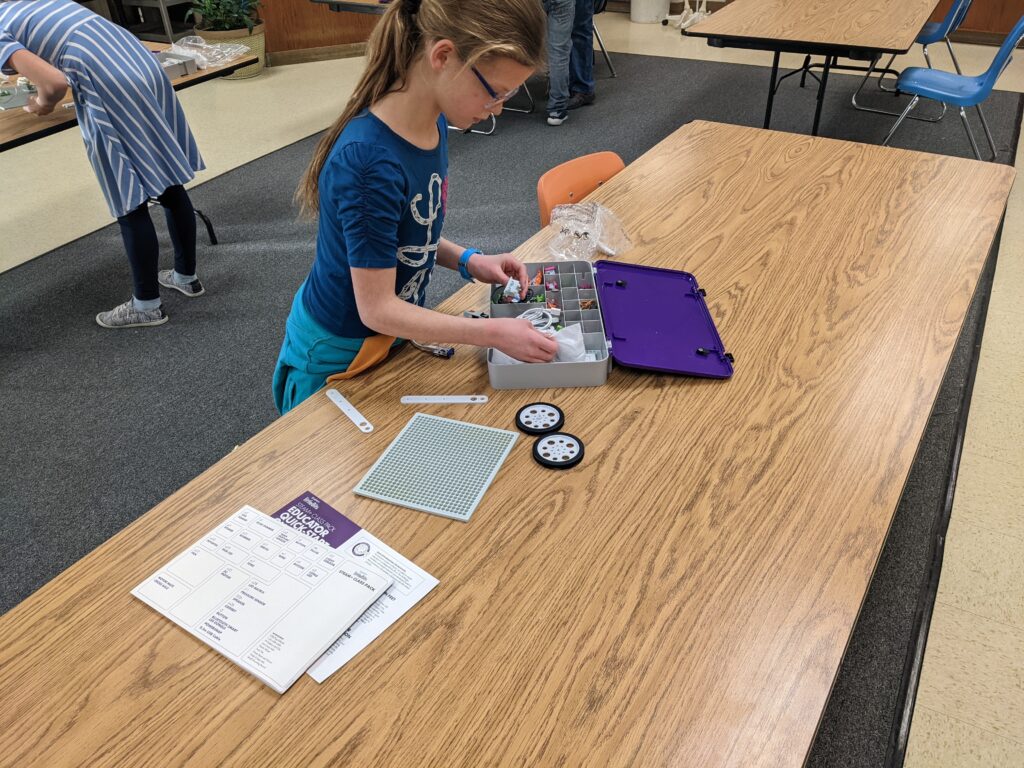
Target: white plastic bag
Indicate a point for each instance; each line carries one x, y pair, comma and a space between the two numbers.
571, 348
208, 54
586, 231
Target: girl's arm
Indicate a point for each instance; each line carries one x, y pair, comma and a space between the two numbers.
382, 311
50, 83
494, 269
448, 253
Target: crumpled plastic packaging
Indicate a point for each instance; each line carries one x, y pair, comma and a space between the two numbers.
586, 231
208, 54
571, 348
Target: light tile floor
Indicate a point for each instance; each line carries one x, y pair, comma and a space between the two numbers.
970, 707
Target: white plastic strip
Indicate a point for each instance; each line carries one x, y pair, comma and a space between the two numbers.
444, 399
349, 410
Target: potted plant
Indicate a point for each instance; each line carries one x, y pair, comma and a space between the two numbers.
232, 21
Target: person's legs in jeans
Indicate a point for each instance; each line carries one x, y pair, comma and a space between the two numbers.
181, 225
560, 17
581, 62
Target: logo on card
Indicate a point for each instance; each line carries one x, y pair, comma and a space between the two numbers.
361, 549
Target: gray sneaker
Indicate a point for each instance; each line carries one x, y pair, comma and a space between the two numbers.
127, 316
166, 278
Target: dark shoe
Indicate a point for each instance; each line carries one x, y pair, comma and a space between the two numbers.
578, 100
557, 118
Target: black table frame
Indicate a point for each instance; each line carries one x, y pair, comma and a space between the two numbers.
830, 52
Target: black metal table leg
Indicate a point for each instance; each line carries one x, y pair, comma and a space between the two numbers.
805, 69
771, 90
821, 94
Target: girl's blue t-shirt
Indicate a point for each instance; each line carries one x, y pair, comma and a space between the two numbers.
382, 205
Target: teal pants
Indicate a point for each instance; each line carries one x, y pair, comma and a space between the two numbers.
309, 354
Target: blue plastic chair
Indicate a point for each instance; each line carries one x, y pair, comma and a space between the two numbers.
959, 90
932, 32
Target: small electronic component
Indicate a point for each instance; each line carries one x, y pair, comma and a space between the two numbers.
588, 304
551, 285
437, 350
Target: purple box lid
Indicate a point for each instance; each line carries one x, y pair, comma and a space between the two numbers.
657, 319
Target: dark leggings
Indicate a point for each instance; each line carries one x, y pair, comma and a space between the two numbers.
141, 243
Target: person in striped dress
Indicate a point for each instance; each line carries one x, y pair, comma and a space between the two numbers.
135, 134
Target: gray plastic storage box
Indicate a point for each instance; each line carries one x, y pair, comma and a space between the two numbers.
576, 288
650, 318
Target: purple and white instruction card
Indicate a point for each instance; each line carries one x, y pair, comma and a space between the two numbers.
409, 584
269, 598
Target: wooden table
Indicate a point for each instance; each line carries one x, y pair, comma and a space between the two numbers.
18, 127
829, 28
682, 597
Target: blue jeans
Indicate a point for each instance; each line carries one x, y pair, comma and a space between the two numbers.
560, 18
581, 62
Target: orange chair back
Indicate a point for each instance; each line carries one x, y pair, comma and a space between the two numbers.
573, 180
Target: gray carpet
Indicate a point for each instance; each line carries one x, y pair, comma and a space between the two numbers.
97, 426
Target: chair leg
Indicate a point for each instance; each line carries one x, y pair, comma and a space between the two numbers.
952, 55
604, 51
477, 131
981, 115
881, 77
927, 56
860, 108
901, 118
988, 132
529, 110
970, 134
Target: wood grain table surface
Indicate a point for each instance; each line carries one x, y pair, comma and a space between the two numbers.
873, 25
18, 127
683, 597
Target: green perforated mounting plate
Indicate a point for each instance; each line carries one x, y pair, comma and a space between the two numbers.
437, 465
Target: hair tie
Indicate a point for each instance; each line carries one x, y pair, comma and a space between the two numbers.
411, 7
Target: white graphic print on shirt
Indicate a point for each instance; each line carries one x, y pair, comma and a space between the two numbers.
417, 255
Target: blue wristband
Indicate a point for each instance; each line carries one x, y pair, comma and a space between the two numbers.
464, 261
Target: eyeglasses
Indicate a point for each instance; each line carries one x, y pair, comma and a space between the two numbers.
495, 98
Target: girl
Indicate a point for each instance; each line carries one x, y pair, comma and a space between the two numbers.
134, 130
378, 181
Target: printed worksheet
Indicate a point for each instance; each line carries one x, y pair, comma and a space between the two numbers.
410, 584
270, 598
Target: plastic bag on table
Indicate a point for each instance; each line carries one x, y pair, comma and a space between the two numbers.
586, 231
208, 54
571, 348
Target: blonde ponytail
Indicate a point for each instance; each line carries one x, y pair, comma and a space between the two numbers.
478, 28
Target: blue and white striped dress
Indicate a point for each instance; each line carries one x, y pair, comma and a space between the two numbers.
133, 126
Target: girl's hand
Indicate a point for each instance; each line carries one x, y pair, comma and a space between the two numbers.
497, 269
519, 339
44, 103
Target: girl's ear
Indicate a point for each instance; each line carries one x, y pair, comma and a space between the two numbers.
440, 53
